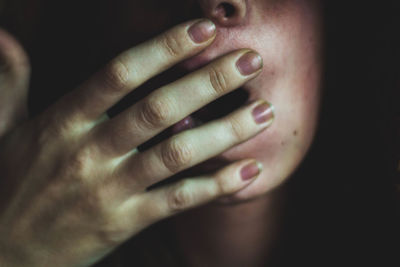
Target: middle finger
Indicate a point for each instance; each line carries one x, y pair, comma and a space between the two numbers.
175, 101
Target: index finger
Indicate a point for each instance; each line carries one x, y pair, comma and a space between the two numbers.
135, 66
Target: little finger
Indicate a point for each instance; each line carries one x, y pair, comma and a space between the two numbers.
194, 146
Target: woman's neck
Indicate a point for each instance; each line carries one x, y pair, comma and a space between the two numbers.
230, 235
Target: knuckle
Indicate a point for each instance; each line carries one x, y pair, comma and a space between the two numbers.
218, 80
176, 155
156, 112
50, 127
112, 231
237, 129
96, 204
116, 75
111, 236
172, 45
80, 163
223, 186
45, 134
179, 198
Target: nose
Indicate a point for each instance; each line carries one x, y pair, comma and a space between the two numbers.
225, 13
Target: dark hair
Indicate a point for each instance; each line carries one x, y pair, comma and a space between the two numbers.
342, 207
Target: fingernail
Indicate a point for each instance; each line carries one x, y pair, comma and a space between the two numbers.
263, 113
202, 31
250, 171
249, 63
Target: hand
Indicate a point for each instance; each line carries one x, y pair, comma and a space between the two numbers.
73, 184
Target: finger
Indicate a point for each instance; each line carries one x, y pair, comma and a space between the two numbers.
14, 80
137, 65
186, 194
193, 146
175, 101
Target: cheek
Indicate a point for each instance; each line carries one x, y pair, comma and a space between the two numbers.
281, 148
294, 90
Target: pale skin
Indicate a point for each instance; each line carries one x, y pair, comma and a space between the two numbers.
78, 175
73, 165
242, 233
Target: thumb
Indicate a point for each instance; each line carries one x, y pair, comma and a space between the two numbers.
14, 82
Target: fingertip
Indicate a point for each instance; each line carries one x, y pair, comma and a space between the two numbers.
263, 113
202, 31
250, 170
238, 175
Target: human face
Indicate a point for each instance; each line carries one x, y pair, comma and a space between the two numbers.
286, 33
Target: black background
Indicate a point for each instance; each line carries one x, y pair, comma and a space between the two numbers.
343, 209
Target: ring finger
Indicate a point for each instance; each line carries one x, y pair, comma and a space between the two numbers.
192, 147
175, 101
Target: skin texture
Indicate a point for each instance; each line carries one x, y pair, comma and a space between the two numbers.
287, 36
72, 166
75, 164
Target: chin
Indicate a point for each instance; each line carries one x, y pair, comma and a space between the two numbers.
279, 148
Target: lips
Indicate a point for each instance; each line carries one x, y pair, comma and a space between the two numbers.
186, 123
214, 110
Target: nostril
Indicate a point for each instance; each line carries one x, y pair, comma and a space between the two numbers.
225, 10
227, 13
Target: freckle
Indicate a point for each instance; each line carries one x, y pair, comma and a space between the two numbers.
295, 132
282, 143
